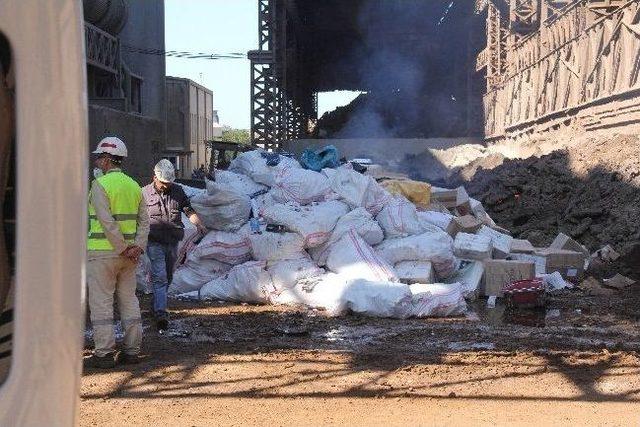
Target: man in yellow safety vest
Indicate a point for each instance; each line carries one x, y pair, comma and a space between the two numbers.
118, 230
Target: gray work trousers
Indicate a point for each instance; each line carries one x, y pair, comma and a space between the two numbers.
107, 277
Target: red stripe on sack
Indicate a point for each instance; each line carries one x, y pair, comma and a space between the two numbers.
317, 235
373, 261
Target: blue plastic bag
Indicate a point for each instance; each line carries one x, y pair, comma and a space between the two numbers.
326, 157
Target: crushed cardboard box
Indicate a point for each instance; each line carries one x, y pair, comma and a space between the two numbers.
619, 282
562, 241
591, 286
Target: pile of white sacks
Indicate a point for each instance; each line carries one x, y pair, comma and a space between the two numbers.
347, 246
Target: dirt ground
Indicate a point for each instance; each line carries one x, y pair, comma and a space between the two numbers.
575, 362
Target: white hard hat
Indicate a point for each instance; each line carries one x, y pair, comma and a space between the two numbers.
164, 171
111, 145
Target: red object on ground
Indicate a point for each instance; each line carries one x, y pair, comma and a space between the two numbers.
525, 293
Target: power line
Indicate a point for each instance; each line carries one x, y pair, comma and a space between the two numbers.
183, 54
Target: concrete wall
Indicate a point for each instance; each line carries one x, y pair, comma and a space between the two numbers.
383, 151
145, 29
143, 136
422, 159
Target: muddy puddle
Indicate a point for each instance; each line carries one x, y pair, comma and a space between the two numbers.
502, 315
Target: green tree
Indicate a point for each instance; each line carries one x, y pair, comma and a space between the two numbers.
240, 136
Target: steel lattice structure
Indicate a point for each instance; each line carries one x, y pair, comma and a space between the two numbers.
543, 63
582, 56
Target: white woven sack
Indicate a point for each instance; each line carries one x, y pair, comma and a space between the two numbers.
359, 220
322, 292
255, 167
438, 300
222, 209
285, 274
313, 222
193, 274
434, 247
276, 246
438, 219
353, 258
230, 248
239, 183
249, 282
379, 299
357, 190
300, 186
399, 218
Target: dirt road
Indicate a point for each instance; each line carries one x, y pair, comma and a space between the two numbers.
246, 365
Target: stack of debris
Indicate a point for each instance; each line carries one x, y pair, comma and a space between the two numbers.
340, 241
589, 190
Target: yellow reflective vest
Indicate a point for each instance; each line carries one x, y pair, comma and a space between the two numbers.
124, 196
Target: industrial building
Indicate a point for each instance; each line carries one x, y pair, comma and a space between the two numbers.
191, 121
490, 69
125, 80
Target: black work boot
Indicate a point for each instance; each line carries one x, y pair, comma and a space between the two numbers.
129, 359
107, 361
162, 321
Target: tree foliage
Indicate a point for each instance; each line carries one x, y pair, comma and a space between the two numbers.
241, 136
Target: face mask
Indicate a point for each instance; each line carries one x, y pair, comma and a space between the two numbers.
97, 173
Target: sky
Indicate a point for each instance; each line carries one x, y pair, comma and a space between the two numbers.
222, 26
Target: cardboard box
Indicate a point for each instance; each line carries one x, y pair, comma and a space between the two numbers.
472, 246
501, 242
411, 272
569, 263
499, 272
463, 202
436, 206
480, 213
539, 261
452, 199
519, 246
562, 241
468, 224
445, 197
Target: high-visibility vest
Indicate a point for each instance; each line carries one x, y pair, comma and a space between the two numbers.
124, 196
